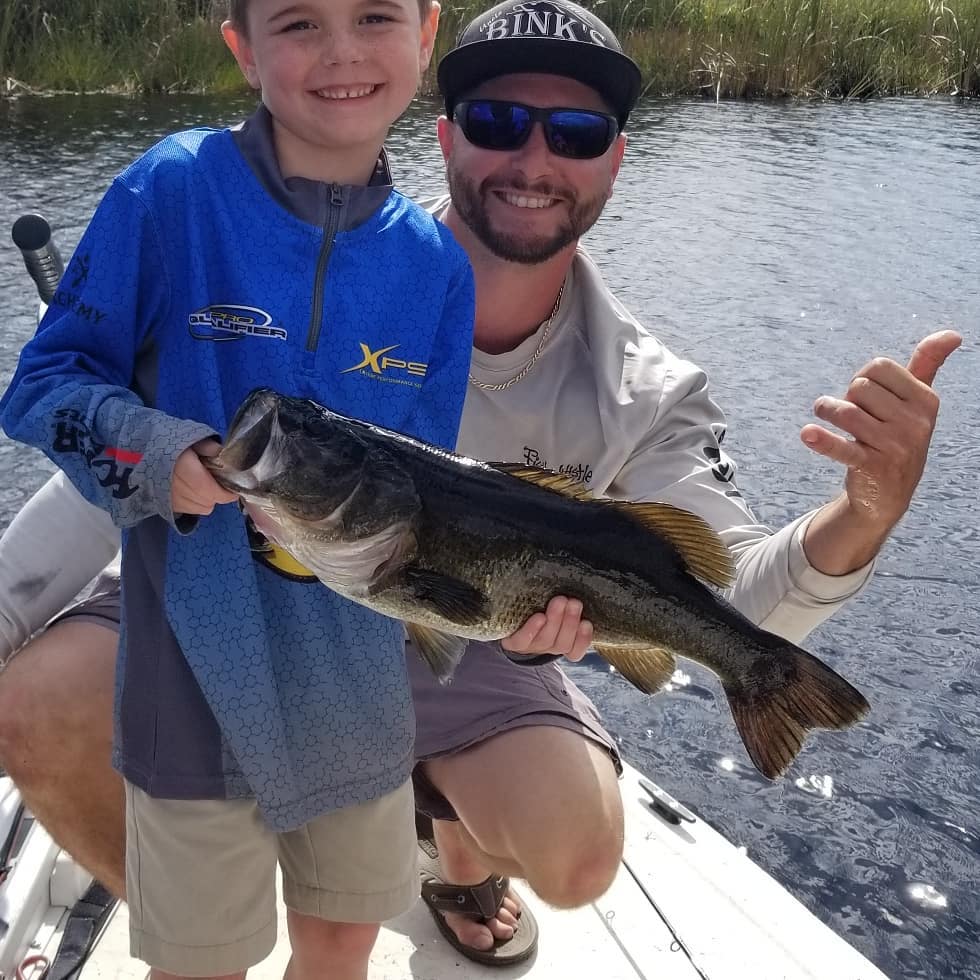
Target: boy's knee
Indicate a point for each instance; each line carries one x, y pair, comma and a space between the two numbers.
319, 940
353, 941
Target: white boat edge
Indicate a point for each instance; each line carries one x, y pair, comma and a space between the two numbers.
686, 904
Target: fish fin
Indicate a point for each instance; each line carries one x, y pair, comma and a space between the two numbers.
449, 597
807, 695
703, 551
549, 479
645, 668
706, 555
441, 651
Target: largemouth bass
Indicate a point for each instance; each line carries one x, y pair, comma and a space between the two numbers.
459, 549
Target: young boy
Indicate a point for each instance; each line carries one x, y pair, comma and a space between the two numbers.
258, 717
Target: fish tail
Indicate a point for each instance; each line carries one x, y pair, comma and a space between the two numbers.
774, 719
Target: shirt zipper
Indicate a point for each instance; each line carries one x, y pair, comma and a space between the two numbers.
330, 225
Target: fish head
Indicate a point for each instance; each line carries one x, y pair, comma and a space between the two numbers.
314, 481
293, 451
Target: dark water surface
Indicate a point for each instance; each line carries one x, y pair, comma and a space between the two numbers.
779, 247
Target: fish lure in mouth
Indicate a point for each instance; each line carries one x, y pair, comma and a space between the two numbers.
459, 549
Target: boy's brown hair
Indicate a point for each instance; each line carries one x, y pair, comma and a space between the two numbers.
236, 13
238, 9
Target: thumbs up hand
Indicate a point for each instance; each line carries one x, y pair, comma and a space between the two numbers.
889, 412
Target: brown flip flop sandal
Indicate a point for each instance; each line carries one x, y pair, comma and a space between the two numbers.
480, 902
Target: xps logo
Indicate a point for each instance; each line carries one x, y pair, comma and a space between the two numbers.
378, 363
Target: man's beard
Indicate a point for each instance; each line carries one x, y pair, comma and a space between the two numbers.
468, 200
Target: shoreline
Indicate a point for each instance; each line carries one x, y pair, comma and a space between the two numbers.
12, 90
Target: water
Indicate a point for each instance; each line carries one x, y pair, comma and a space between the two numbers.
779, 247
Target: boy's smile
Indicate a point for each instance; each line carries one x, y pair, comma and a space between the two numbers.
347, 92
334, 74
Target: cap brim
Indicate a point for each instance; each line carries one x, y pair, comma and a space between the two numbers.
612, 74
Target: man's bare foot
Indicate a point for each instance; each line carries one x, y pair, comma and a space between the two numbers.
461, 868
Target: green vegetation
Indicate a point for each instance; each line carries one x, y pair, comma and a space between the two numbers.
114, 45
843, 48
716, 48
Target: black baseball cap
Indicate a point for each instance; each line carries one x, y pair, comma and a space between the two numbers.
553, 37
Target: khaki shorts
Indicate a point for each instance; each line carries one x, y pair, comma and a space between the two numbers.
200, 875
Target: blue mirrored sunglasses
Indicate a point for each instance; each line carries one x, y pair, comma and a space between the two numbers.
492, 124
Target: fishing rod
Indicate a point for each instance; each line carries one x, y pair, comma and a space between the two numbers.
32, 235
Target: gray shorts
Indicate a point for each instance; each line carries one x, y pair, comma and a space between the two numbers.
99, 602
489, 694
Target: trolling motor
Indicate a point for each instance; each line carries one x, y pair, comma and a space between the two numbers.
32, 235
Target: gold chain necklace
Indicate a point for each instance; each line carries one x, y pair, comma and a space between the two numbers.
537, 353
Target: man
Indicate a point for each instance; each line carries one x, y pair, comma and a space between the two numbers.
563, 377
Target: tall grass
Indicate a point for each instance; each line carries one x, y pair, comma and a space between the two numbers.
773, 48
717, 48
115, 45
747, 48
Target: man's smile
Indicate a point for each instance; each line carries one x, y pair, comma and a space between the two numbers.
524, 200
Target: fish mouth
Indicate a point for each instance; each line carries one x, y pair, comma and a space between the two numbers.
258, 403
226, 477
248, 439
